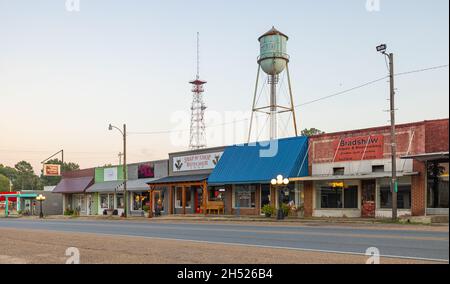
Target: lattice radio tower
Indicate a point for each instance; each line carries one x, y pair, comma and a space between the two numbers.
198, 133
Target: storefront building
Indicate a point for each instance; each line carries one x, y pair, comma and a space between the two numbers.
73, 187
244, 173
185, 189
351, 170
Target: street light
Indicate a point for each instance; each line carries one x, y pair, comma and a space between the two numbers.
280, 181
394, 185
124, 135
40, 198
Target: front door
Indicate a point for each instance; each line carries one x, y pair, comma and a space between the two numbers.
265, 195
368, 199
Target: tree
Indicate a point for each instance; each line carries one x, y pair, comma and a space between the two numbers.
311, 132
4, 183
65, 167
25, 178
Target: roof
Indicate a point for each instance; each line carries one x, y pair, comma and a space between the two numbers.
74, 185
138, 185
273, 31
107, 186
444, 156
353, 177
180, 179
246, 164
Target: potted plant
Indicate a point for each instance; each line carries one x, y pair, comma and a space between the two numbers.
146, 209
268, 210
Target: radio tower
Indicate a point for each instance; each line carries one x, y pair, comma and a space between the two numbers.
198, 135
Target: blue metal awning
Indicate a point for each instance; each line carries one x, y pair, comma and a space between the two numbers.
260, 162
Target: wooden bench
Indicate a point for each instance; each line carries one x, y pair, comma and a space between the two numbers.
216, 206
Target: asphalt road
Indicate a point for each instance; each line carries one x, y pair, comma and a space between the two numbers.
398, 243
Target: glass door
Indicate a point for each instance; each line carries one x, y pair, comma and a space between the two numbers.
368, 199
265, 195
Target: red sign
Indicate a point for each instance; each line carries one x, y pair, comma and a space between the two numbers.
52, 170
359, 148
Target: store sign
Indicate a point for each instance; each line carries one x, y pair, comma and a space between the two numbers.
205, 161
110, 174
359, 148
146, 170
52, 170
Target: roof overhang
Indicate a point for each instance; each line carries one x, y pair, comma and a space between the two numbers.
438, 156
353, 177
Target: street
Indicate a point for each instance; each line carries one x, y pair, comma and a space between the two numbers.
250, 243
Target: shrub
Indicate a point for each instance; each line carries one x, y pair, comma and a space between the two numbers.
69, 212
146, 208
268, 210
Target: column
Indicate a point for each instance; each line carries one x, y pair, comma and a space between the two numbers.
183, 199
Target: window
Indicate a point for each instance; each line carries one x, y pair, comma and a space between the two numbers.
338, 171
158, 200
179, 197
245, 196
403, 197
438, 187
216, 193
104, 201
140, 200
378, 169
337, 197
120, 200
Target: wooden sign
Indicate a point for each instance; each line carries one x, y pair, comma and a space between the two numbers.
52, 170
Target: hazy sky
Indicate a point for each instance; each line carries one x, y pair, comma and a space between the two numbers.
64, 76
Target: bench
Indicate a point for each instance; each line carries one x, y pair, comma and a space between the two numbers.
216, 206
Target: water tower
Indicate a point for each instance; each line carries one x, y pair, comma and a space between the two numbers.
273, 60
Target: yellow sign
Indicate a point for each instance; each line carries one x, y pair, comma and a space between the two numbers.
337, 184
52, 170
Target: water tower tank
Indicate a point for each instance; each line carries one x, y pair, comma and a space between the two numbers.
273, 55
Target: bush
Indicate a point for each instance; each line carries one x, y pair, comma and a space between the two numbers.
146, 208
285, 209
268, 210
69, 212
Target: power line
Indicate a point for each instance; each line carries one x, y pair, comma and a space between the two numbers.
306, 103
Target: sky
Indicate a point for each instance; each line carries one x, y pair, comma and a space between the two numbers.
66, 74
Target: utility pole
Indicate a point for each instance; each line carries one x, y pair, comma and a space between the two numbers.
125, 170
120, 158
394, 184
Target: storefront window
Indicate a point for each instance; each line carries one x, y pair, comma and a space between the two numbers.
438, 187
338, 197
216, 193
158, 201
104, 201
140, 200
245, 196
120, 200
179, 197
403, 197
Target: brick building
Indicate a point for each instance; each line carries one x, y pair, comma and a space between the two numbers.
350, 171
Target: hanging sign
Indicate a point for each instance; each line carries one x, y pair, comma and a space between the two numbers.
359, 148
197, 162
52, 170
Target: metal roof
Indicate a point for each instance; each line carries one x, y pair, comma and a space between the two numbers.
248, 163
138, 185
273, 31
429, 156
108, 186
180, 179
73, 185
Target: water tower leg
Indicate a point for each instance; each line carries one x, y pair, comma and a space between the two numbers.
254, 102
273, 107
292, 100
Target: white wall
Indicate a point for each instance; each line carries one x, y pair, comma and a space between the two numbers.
360, 167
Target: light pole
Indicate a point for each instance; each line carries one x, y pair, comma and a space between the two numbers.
394, 185
40, 198
280, 182
124, 134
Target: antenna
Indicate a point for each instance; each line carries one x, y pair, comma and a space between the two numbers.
198, 107
198, 55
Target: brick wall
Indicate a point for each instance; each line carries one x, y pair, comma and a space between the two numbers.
308, 191
436, 136
418, 189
